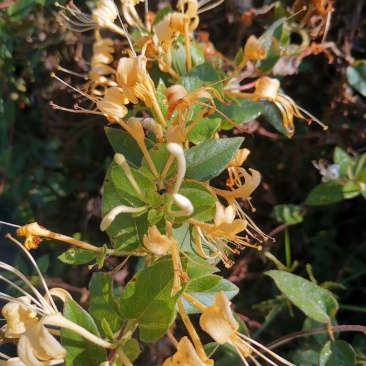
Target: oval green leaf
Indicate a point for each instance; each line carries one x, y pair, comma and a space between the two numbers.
209, 159
77, 256
337, 353
317, 303
356, 76
80, 352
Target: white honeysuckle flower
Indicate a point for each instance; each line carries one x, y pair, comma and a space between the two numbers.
29, 316
328, 171
185, 205
14, 361
37, 347
18, 318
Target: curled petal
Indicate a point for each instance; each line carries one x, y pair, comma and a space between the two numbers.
37, 347
18, 318
156, 242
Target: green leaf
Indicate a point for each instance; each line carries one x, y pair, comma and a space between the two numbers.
102, 304
317, 303
162, 14
123, 143
204, 130
201, 75
205, 289
77, 256
159, 155
126, 231
342, 159
289, 214
337, 353
274, 117
203, 203
239, 111
356, 76
80, 352
131, 349
161, 99
331, 192
147, 299
209, 159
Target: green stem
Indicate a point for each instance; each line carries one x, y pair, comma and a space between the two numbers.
287, 249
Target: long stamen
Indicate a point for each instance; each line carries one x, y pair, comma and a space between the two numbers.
38, 271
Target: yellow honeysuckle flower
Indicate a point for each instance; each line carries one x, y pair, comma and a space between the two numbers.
157, 243
219, 322
134, 79
112, 105
130, 14
221, 233
186, 355
103, 16
267, 88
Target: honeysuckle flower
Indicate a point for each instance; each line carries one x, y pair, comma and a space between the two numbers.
239, 158
29, 316
130, 14
18, 318
135, 81
103, 16
328, 171
38, 347
267, 88
186, 355
112, 105
156, 242
224, 231
14, 361
101, 74
254, 49
219, 322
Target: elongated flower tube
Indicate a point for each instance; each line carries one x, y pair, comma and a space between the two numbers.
130, 14
177, 151
219, 322
185, 205
110, 217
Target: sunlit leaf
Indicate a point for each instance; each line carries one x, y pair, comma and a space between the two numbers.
209, 159
102, 304
147, 299
77, 256
317, 303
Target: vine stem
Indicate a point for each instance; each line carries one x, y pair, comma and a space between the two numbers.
300, 334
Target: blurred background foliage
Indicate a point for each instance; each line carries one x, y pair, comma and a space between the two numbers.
52, 163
